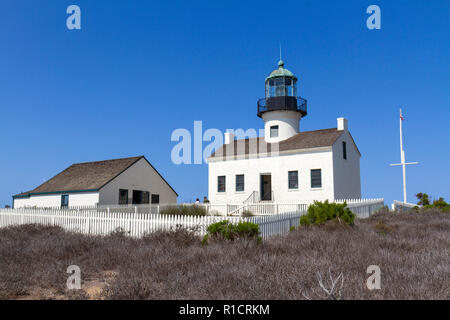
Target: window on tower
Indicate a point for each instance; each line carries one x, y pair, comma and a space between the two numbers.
274, 131
290, 87
280, 89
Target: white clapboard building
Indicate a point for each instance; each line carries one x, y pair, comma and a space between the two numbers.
286, 165
119, 181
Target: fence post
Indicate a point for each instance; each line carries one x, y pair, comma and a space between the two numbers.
88, 224
130, 224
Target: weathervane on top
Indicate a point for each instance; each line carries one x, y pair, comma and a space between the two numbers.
402, 158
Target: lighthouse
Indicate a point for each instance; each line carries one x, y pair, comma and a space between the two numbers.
313, 165
281, 108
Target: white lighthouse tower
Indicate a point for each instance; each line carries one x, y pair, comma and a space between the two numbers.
281, 109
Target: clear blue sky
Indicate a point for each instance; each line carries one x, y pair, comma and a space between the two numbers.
140, 69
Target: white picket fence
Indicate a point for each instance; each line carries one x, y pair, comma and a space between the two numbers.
361, 207
103, 223
272, 218
138, 224
276, 224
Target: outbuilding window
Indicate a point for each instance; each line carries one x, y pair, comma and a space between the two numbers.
64, 200
221, 184
155, 198
141, 197
123, 196
145, 197
293, 179
316, 178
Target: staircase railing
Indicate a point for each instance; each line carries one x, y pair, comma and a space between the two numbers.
238, 211
253, 198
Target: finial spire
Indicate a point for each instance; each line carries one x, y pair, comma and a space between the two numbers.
280, 63
280, 52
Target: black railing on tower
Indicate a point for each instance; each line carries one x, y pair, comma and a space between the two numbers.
282, 103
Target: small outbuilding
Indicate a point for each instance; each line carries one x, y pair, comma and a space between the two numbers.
119, 181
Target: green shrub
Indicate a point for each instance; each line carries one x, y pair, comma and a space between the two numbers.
440, 203
423, 199
184, 210
320, 212
225, 230
437, 204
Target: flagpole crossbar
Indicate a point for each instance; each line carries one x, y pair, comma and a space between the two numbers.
401, 164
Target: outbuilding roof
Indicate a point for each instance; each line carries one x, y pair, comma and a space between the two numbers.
86, 176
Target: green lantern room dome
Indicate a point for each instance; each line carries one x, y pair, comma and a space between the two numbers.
281, 72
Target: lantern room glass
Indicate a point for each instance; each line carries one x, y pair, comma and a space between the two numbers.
281, 87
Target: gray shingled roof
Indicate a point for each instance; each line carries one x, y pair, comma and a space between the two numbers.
87, 176
302, 140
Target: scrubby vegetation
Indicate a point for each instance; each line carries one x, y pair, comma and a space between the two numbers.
247, 213
225, 230
439, 203
410, 248
321, 212
184, 210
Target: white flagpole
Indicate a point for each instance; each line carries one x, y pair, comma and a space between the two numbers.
403, 158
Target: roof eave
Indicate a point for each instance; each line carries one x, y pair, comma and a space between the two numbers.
17, 196
268, 155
